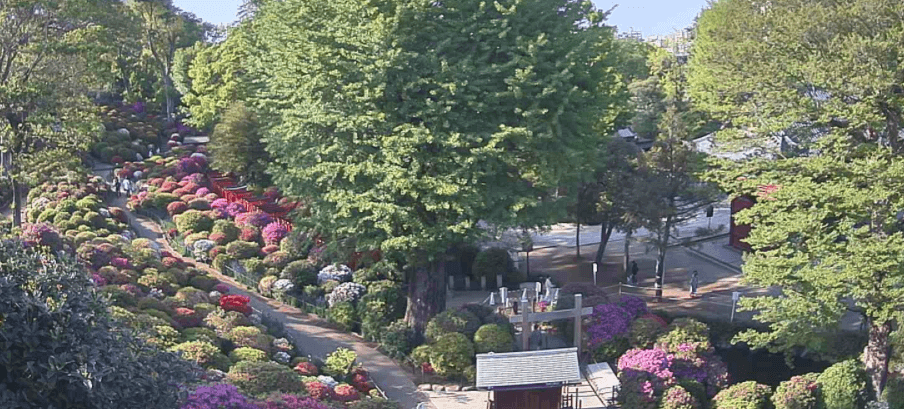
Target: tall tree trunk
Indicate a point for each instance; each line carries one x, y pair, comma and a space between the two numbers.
663, 246
167, 90
578, 239
17, 203
877, 355
627, 256
605, 233
426, 294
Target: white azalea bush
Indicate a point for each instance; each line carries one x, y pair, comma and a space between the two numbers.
335, 272
346, 292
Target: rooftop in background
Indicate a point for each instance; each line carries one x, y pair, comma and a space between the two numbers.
552, 367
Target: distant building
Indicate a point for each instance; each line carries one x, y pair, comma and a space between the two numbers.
631, 34
628, 135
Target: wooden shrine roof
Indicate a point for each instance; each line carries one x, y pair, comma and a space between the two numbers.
551, 367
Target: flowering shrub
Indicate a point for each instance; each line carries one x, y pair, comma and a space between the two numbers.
98, 280
677, 397
283, 286
218, 238
346, 292
175, 208
250, 234
799, 392
235, 303
286, 401
42, 234
334, 272
644, 375
202, 191
274, 232
219, 204
119, 262
223, 289
234, 209
220, 396
607, 322
307, 369
187, 317
318, 390
256, 219
270, 249
257, 378
346, 393
634, 306
744, 395
277, 260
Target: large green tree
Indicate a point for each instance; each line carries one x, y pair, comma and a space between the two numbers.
830, 234
407, 123
217, 75
48, 51
782, 65
164, 29
236, 145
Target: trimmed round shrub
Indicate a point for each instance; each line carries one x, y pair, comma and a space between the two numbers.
247, 354
395, 338
307, 369
450, 321
274, 232
451, 354
204, 353
644, 332
344, 315
228, 228
277, 260
199, 204
287, 401
176, 208
684, 331
254, 266
799, 392
242, 249
250, 233
301, 272
251, 337
843, 386
191, 295
266, 285
256, 378
200, 334
894, 391
493, 261
187, 317
492, 338
346, 292
677, 397
204, 283
225, 321
194, 220
220, 396
744, 395
318, 390
611, 350
346, 393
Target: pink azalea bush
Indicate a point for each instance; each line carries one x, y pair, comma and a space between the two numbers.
607, 322
274, 232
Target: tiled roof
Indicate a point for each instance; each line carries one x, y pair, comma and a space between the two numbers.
551, 367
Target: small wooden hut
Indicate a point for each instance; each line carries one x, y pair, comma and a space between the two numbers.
530, 379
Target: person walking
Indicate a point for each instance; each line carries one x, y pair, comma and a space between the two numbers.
116, 184
127, 186
695, 282
634, 270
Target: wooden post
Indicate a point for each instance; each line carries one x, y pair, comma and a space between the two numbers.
525, 329
577, 322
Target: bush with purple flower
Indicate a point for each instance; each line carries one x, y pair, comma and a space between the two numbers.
219, 396
256, 219
607, 322
219, 204
274, 232
635, 306
235, 209
42, 234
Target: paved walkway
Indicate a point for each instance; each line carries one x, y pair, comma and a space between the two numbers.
312, 339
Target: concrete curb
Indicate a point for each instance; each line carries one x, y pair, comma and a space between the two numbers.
706, 257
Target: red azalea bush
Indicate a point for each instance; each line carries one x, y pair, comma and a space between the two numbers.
346, 393
118, 214
235, 303
318, 390
170, 262
187, 317
249, 234
219, 238
269, 249
307, 369
175, 208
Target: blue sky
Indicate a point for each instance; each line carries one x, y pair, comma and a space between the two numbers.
651, 17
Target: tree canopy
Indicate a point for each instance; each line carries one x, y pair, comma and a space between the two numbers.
773, 66
830, 234
406, 133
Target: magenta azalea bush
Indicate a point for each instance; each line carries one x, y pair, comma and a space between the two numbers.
219, 396
274, 232
256, 219
42, 234
219, 204
677, 397
235, 209
607, 322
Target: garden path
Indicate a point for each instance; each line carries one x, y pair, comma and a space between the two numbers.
312, 339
